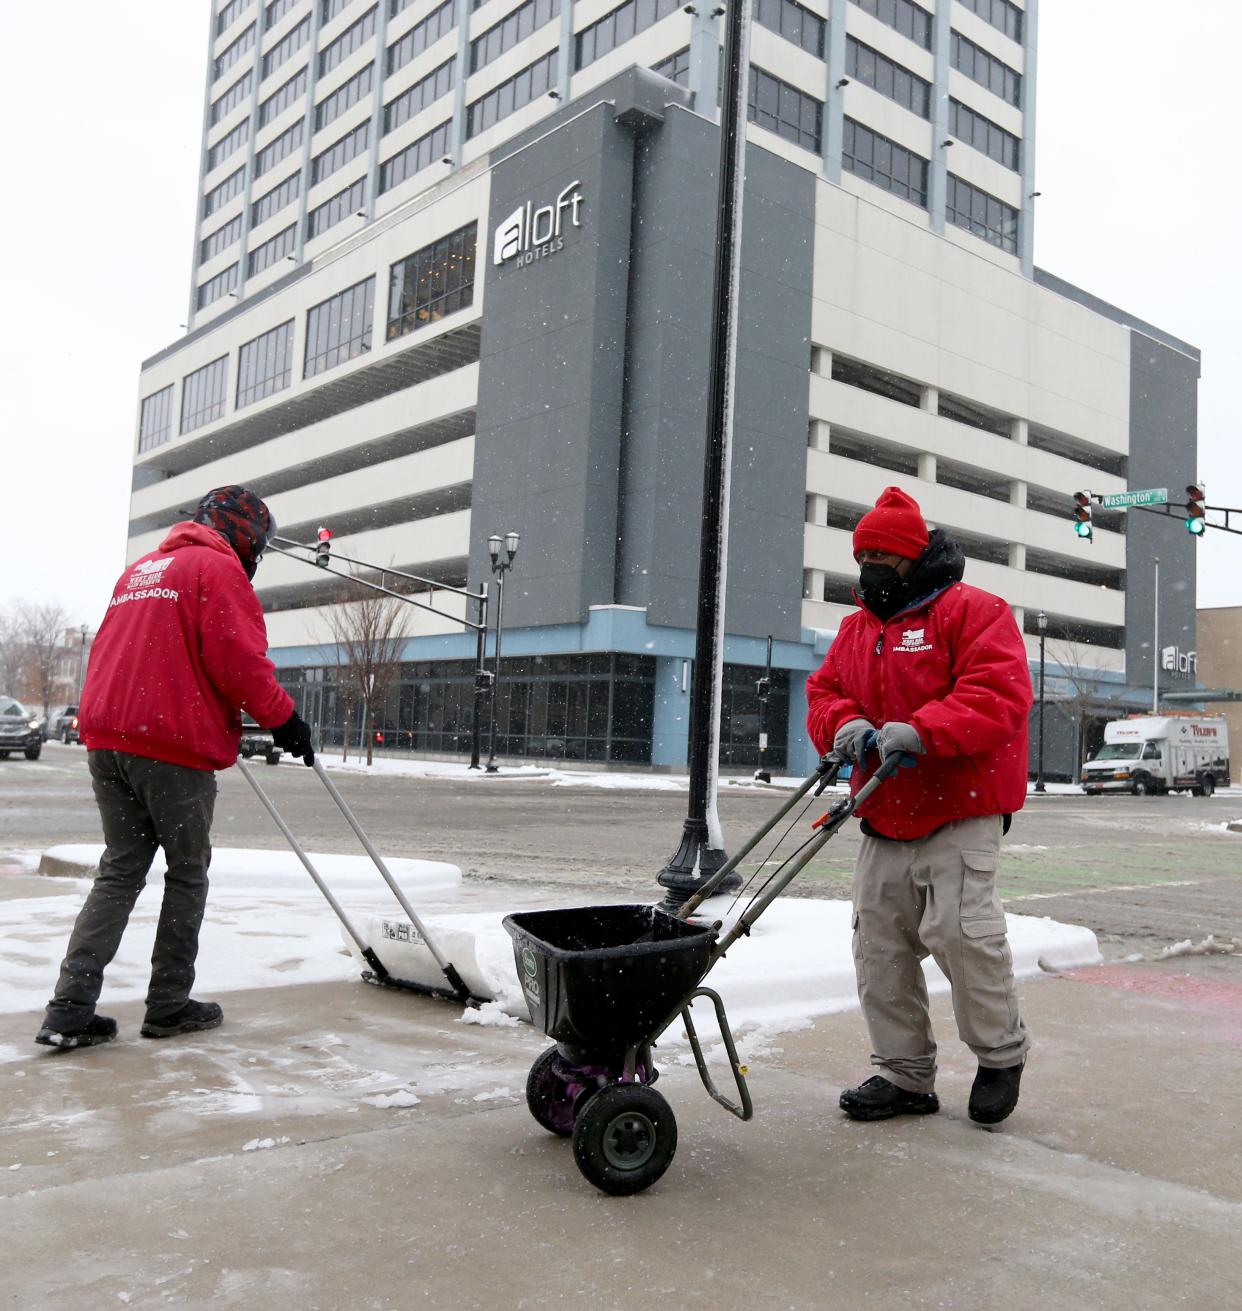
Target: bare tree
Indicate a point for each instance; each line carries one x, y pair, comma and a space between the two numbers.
42, 630
12, 654
1080, 668
369, 634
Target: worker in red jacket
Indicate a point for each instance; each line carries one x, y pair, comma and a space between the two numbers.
937, 672
180, 654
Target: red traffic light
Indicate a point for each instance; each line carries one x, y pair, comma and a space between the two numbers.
323, 550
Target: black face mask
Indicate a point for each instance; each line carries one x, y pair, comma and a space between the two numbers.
882, 588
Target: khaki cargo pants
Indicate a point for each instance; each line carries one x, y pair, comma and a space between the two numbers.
935, 896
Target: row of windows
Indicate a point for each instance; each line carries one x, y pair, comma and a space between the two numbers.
234, 96
397, 6
676, 67
286, 47
985, 216
785, 110
279, 148
433, 282
223, 192
340, 152
902, 16
971, 127
282, 98
230, 13
617, 27
155, 421
214, 288
220, 239
415, 157
331, 8
272, 202
794, 22
424, 92
876, 159
880, 73
232, 53
534, 80
1003, 16
228, 145
203, 394
985, 69
512, 28
437, 24
344, 97
276, 248
354, 36
336, 208
265, 365
275, 11
339, 328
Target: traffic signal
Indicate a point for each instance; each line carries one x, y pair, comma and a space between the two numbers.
324, 548
1082, 515
1196, 512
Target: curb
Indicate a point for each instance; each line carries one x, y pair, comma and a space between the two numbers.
55, 867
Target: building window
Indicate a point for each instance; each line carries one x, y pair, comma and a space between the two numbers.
981, 214
275, 11
519, 90
437, 24
335, 208
513, 27
345, 96
785, 110
214, 288
282, 98
426, 91
278, 148
230, 13
265, 365
275, 248
340, 152
331, 8
415, 157
902, 16
351, 39
286, 47
1001, 14
794, 22
986, 69
233, 185
228, 145
619, 26
220, 239
231, 54
234, 96
433, 282
272, 202
202, 394
967, 125
890, 79
396, 7
875, 158
339, 329
676, 67
155, 420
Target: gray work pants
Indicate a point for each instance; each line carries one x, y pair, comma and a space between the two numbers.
935, 896
144, 805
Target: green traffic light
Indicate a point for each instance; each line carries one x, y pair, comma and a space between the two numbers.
1196, 527
1084, 529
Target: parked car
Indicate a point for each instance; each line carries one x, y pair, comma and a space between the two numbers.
256, 741
63, 726
20, 729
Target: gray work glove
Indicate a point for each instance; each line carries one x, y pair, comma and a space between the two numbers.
901, 738
851, 741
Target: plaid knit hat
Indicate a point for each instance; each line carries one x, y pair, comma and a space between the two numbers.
895, 526
238, 515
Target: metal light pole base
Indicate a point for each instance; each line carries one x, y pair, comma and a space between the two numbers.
693, 862
762, 776
1039, 787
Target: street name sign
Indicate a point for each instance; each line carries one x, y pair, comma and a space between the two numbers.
1120, 500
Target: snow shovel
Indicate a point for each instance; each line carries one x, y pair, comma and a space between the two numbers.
378, 973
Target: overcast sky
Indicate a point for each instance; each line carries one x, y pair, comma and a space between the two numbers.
1135, 149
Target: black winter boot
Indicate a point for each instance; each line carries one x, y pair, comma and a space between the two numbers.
193, 1016
98, 1029
995, 1093
877, 1099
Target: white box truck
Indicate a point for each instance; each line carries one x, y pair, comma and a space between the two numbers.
1150, 754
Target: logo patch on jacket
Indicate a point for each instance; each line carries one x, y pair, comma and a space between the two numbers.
148, 571
912, 640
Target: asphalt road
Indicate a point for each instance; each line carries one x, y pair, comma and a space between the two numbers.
1142, 872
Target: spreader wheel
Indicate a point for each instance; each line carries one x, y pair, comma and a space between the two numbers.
624, 1138
548, 1095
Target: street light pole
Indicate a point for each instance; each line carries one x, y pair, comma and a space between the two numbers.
500, 565
764, 690
1042, 620
482, 679
82, 662
1155, 641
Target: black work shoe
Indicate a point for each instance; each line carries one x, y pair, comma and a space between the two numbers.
192, 1017
96, 1030
995, 1093
877, 1099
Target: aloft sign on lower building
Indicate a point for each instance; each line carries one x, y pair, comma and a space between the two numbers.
533, 232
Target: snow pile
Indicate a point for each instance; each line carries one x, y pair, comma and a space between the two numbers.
262, 1144
386, 1101
1208, 947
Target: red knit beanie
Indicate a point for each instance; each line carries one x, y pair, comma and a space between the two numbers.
895, 526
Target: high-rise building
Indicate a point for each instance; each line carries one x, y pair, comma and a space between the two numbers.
452, 277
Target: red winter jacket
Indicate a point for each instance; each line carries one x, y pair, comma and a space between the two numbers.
181, 652
954, 666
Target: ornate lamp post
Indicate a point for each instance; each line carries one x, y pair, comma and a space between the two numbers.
500, 565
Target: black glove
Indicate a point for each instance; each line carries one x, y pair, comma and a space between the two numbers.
294, 736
